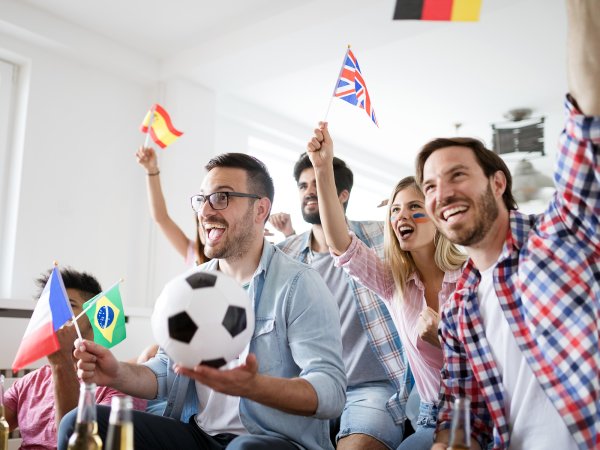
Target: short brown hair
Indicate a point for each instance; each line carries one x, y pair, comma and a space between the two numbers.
489, 162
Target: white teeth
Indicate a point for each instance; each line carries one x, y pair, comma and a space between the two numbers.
211, 226
406, 229
452, 211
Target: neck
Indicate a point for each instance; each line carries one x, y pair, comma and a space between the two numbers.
318, 242
487, 251
425, 262
242, 267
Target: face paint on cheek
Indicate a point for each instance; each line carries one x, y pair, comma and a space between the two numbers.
420, 218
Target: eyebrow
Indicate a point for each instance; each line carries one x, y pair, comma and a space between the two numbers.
220, 188
449, 170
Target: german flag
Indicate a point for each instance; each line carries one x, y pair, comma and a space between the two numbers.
444, 10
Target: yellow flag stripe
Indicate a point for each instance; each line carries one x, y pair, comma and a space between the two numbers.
465, 10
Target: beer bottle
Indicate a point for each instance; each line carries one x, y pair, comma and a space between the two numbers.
86, 436
460, 433
3, 423
120, 428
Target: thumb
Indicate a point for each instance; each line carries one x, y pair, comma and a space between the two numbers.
252, 362
324, 126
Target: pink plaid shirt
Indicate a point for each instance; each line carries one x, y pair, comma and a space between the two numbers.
547, 281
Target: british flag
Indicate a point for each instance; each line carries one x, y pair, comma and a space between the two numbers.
351, 86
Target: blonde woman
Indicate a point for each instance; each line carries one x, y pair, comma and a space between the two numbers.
416, 278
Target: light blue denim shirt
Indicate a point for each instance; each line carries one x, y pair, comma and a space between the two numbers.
297, 334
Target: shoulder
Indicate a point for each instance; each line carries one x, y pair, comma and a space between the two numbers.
293, 244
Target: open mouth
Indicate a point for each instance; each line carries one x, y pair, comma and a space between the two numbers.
214, 231
452, 214
405, 231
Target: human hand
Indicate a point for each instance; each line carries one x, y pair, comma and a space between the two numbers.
237, 382
283, 223
146, 157
67, 334
320, 147
96, 364
427, 326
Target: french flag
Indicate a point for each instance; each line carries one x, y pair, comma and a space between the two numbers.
52, 311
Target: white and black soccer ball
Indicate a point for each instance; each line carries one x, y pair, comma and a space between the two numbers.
203, 317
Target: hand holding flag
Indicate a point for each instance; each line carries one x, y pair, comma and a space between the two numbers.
157, 124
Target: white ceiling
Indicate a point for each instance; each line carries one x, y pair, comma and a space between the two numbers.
285, 55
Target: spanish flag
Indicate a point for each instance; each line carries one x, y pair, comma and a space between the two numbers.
161, 128
107, 317
445, 10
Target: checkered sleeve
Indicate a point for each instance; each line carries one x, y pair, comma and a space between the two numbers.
577, 175
458, 379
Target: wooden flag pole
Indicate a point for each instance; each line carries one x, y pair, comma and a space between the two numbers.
147, 140
55, 263
336, 83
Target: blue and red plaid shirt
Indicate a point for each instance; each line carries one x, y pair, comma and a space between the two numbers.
547, 280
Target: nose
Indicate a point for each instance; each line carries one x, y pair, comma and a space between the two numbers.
443, 191
205, 210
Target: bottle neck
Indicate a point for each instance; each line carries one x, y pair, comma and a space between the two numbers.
86, 411
460, 433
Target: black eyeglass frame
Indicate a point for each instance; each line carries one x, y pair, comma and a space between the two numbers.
227, 195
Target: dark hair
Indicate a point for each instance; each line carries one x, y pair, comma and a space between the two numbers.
72, 279
488, 160
259, 180
344, 179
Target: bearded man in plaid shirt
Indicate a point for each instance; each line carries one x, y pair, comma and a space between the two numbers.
521, 334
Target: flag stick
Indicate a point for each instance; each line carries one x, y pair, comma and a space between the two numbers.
336, 83
69, 304
147, 140
98, 297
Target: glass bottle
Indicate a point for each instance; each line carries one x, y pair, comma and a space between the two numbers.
3, 423
85, 436
120, 428
460, 433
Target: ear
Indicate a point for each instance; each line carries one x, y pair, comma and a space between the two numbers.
498, 183
344, 196
263, 209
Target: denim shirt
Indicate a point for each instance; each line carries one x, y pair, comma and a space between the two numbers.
296, 334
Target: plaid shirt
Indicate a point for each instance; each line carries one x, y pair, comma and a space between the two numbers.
547, 281
374, 315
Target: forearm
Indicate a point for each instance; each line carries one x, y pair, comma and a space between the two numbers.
583, 47
66, 389
331, 211
290, 395
136, 380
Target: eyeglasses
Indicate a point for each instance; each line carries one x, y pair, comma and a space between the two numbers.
217, 200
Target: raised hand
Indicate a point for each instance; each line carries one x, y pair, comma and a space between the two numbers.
282, 222
320, 147
146, 157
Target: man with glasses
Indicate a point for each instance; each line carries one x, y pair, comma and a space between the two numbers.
292, 380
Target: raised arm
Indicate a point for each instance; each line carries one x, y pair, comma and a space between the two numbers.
146, 158
333, 219
583, 47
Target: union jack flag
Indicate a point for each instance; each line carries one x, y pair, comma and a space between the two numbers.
351, 86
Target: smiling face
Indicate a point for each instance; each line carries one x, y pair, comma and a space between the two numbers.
460, 199
408, 218
307, 190
230, 232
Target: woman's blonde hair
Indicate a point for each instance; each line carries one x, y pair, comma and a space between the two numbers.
447, 256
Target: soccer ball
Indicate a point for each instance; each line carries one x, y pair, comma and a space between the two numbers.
203, 317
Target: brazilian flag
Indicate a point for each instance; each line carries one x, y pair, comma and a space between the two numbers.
107, 317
